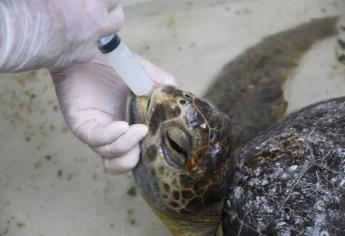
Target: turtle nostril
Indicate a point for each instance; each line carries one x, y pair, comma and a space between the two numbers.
187, 95
182, 102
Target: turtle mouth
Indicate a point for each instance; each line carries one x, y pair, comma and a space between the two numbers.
138, 108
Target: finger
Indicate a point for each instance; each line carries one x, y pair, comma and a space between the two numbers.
124, 143
157, 74
116, 19
128, 161
95, 134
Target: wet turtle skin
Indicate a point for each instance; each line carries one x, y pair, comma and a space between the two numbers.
185, 156
187, 166
291, 180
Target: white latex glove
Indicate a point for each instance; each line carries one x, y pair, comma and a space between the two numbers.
93, 98
54, 33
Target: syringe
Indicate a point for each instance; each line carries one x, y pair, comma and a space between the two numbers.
128, 68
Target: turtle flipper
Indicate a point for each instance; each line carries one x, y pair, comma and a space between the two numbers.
249, 88
340, 48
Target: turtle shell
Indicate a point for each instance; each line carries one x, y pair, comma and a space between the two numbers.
291, 180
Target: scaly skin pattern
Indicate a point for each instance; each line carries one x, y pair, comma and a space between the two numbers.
291, 180
187, 166
185, 185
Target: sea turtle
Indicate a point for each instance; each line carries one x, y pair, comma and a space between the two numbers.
201, 165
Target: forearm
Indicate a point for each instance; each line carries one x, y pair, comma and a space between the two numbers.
20, 36
53, 33
30, 36
6, 33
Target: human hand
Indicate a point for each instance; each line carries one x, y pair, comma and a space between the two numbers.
93, 98
54, 33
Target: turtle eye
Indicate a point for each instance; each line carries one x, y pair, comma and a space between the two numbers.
180, 143
176, 146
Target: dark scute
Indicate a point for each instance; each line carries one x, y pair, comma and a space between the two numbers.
174, 204
200, 186
150, 151
187, 194
157, 117
195, 204
186, 179
173, 91
160, 114
184, 211
204, 107
176, 195
166, 187
193, 118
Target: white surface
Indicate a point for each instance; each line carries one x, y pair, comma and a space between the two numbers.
127, 3
69, 194
193, 39
318, 77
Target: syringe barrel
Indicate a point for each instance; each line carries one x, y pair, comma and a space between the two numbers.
121, 59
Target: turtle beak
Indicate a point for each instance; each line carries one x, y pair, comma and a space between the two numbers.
137, 107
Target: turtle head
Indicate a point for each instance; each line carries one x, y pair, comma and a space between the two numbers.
184, 158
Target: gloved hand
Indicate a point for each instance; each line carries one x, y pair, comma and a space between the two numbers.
92, 98
54, 33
